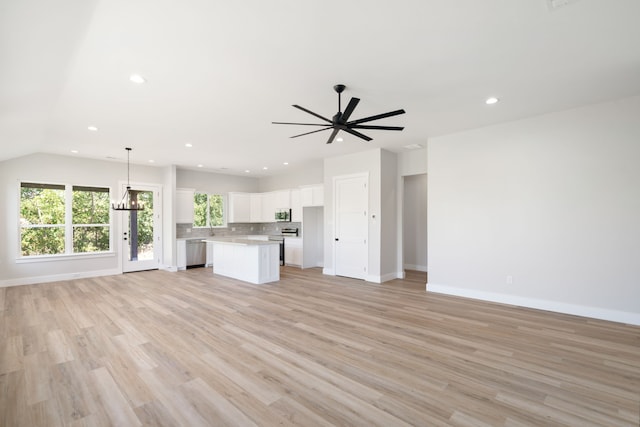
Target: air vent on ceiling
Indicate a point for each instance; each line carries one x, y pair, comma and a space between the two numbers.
557, 4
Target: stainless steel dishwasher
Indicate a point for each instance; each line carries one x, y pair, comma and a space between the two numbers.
196, 253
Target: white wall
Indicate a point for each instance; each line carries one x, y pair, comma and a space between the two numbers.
412, 162
215, 182
414, 230
64, 170
388, 217
309, 174
380, 165
552, 201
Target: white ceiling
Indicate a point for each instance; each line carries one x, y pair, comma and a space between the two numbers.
219, 72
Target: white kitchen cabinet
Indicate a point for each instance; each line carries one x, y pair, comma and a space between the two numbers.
182, 254
312, 195
209, 262
253, 262
293, 251
255, 207
269, 206
282, 199
296, 206
184, 205
239, 207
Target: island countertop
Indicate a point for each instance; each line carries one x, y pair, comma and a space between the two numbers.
240, 241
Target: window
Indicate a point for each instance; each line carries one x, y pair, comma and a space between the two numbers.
90, 218
42, 219
60, 219
209, 210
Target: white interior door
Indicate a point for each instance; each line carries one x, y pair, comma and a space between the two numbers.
141, 231
351, 202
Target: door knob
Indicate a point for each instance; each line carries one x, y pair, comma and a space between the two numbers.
337, 239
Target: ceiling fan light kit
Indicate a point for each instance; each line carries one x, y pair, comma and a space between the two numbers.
340, 121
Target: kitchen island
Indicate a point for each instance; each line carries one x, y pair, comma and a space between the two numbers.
253, 261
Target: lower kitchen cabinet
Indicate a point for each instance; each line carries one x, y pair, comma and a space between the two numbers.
293, 251
182, 254
209, 262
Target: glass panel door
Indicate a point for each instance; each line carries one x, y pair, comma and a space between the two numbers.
141, 234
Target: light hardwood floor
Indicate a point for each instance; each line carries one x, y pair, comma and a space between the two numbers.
193, 349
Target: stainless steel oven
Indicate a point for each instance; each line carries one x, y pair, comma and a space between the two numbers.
279, 239
285, 232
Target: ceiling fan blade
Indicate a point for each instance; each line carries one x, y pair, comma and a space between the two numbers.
301, 124
308, 133
333, 135
312, 113
377, 127
376, 117
358, 134
347, 112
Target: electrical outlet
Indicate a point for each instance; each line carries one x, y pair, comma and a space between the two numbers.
509, 280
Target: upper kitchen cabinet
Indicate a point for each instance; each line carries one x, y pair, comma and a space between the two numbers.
255, 207
296, 206
312, 195
239, 207
184, 205
274, 201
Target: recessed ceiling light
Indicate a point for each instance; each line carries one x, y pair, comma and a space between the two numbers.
151, 161
285, 163
264, 168
339, 139
491, 101
74, 151
92, 128
188, 145
247, 171
413, 146
137, 78
200, 166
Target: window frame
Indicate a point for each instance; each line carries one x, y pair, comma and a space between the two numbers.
208, 214
68, 225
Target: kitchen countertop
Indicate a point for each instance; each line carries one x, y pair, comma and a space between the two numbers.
240, 241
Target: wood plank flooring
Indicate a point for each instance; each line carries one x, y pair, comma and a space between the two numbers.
193, 349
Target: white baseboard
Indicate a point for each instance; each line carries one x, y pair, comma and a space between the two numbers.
328, 271
169, 268
558, 307
57, 277
415, 267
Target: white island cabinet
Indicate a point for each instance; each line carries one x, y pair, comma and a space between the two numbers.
253, 261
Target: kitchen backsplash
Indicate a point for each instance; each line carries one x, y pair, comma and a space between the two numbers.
236, 229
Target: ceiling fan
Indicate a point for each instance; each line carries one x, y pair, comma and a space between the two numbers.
340, 120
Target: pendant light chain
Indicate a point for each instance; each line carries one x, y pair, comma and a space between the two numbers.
126, 204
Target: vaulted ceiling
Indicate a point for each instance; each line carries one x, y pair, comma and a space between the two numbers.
219, 72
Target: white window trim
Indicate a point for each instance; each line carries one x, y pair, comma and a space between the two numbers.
224, 211
68, 227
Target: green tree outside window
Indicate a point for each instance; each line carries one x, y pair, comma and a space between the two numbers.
43, 213
208, 210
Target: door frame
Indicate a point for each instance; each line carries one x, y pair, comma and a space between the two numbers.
125, 266
336, 179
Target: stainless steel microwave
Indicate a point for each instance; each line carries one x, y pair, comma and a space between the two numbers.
283, 215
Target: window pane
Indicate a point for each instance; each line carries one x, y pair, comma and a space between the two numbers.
91, 239
200, 210
42, 241
90, 205
41, 206
216, 210
142, 221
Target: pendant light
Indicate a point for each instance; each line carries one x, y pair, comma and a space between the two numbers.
127, 203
